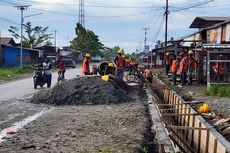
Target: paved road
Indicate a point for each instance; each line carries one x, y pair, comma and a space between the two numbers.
18, 89
13, 108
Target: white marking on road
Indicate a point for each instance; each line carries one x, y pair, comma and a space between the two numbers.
18, 125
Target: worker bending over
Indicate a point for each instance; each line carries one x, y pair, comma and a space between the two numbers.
85, 65
110, 70
120, 62
148, 74
133, 67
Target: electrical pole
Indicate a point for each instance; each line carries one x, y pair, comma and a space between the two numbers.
166, 24
145, 40
55, 39
81, 15
22, 8
140, 46
1, 61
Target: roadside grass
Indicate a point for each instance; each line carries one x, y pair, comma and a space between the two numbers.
218, 90
13, 73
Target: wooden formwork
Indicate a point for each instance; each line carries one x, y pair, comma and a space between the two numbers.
190, 132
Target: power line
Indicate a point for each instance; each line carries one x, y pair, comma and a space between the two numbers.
10, 21
159, 29
194, 5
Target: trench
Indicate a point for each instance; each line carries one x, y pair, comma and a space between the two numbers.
187, 129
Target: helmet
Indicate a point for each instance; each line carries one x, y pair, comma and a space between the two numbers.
167, 54
110, 64
87, 55
119, 51
190, 52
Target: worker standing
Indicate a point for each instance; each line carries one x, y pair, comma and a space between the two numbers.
183, 68
167, 62
191, 66
148, 74
120, 62
85, 65
219, 70
174, 69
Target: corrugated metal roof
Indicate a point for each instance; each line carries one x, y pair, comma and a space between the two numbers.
7, 40
207, 21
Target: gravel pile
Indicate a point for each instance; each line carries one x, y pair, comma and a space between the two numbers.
83, 90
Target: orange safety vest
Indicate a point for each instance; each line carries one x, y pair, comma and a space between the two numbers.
148, 73
219, 67
167, 60
85, 66
184, 64
174, 66
120, 62
191, 63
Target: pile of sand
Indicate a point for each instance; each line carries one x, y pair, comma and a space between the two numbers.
83, 90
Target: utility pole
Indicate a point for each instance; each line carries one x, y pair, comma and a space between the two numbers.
81, 15
55, 39
145, 40
140, 46
22, 8
166, 23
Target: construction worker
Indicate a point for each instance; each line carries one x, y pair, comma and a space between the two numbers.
133, 67
191, 66
174, 69
219, 69
61, 66
110, 70
183, 66
120, 62
85, 65
167, 62
148, 74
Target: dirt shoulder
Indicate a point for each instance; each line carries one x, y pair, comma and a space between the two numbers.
122, 127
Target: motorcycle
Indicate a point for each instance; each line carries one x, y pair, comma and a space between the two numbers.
39, 77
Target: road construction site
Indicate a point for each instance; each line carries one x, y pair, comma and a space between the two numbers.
87, 114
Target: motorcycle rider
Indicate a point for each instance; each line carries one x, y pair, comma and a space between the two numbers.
47, 72
61, 66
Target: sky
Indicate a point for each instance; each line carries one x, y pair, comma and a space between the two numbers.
116, 22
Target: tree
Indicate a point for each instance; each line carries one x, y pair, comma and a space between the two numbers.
110, 52
87, 40
35, 36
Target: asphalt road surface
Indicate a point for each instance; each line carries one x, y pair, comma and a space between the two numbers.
13, 95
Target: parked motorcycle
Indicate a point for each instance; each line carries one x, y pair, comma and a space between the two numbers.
39, 77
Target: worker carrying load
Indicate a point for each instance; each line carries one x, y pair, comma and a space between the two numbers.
85, 65
174, 69
167, 62
120, 62
219, 70
191, 66
148, 74
183, 66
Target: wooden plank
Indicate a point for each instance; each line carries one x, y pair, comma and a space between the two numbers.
199, 139
168, 109
180, 114
185, 127
207, 142
215, 146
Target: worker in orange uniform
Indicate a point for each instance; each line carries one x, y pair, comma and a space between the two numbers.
183, 66
219, 70
85, 65
191, 66
133, 67
148, 74
174, 69
120, 62
167, 62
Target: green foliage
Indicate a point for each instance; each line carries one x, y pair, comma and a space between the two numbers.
34, 36
110, 52
12, 73
218, 90
87, 41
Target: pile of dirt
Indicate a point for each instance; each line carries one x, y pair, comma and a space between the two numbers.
83, 90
